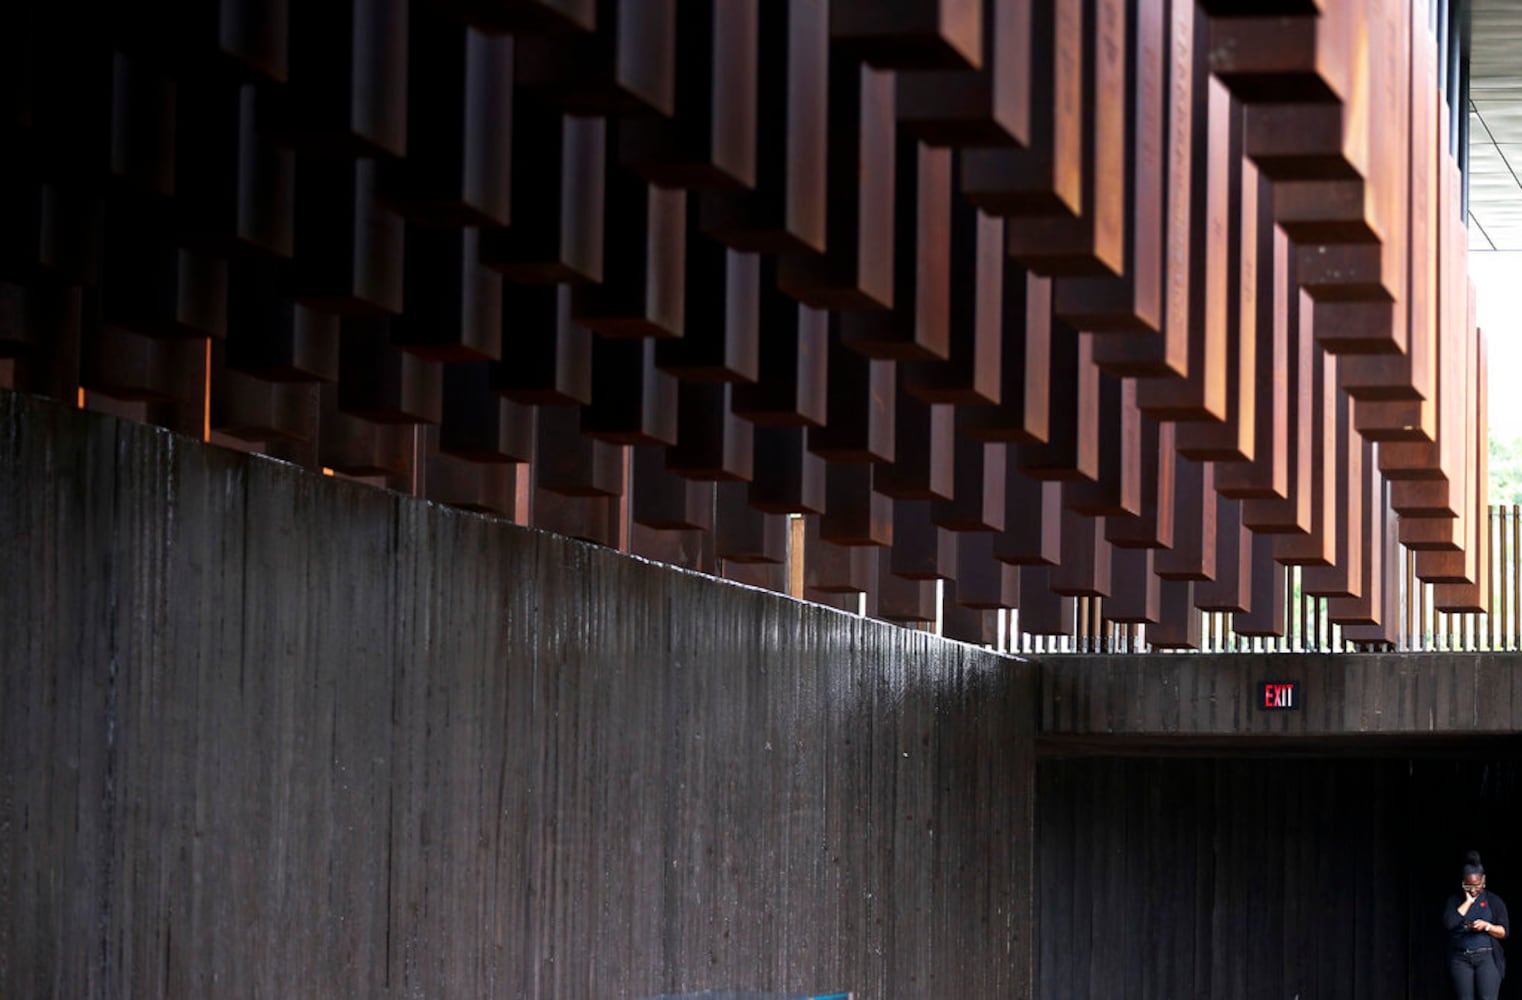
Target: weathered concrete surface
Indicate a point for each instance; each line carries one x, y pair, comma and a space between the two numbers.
1262, 878
1363, 697
268, 734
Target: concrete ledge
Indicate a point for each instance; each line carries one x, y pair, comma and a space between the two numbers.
1340, 695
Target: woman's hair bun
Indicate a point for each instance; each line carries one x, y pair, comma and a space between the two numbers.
1472, 858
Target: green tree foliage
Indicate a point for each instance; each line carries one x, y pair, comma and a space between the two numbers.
1505, 470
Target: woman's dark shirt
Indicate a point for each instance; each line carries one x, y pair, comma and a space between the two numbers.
1488, 907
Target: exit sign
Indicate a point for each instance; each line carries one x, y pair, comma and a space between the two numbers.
1278, 696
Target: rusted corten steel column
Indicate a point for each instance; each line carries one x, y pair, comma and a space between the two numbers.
1145, 299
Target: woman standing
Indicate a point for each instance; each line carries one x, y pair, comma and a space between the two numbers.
1476, 921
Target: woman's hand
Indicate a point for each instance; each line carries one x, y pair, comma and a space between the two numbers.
1480, 925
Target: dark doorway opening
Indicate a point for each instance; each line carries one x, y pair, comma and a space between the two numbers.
1268, 877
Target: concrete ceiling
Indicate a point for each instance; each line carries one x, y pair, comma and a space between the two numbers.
1495, 125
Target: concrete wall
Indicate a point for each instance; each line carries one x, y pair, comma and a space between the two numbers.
1191, 844
1264, 878
268, 734
1369, 697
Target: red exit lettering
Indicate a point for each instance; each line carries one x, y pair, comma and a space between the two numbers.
1278, 696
